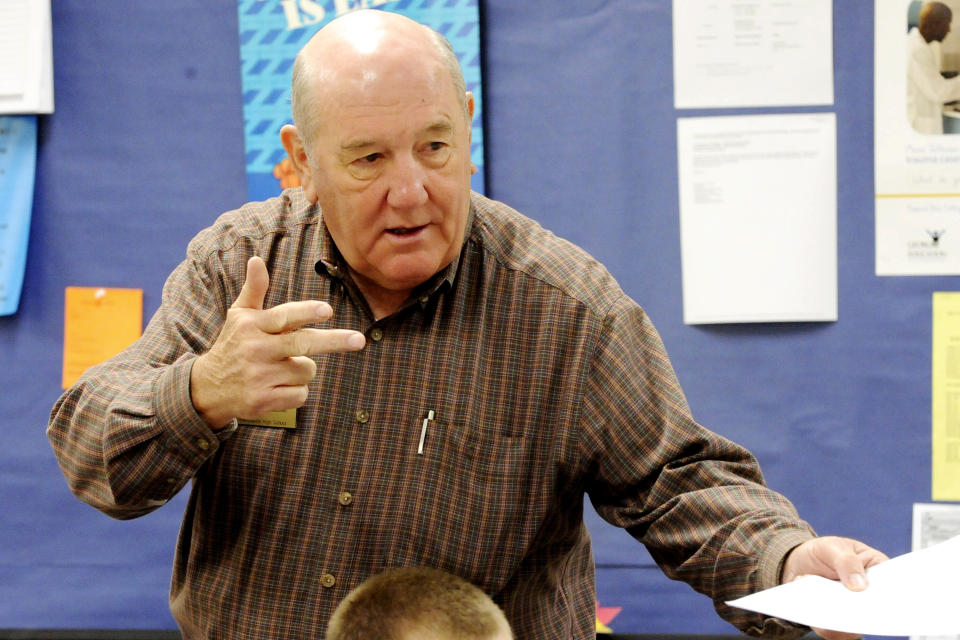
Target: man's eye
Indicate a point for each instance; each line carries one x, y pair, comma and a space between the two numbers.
436, 145
366, 167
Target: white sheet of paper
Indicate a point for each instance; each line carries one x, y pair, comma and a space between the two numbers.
758, 218
913, 594
742, 53
26, 57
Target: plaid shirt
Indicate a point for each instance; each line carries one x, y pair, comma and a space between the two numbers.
546, 383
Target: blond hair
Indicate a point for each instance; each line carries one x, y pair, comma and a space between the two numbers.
428, 601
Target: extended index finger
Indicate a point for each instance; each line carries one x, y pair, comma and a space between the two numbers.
312, 342
293, 315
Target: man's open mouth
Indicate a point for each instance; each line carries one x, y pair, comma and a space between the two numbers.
403, 231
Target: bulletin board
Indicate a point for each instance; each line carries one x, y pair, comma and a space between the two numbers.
146, 147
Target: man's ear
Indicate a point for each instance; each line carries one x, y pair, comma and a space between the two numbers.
470, 108
297, 152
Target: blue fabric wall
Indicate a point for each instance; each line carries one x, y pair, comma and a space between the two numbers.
146, 148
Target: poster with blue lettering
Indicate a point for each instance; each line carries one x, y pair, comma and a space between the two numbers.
271, 34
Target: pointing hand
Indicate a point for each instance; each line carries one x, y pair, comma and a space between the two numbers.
261, 361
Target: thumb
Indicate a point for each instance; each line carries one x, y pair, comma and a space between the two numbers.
255, 286
851, 572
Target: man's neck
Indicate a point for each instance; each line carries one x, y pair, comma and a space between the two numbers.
382, 302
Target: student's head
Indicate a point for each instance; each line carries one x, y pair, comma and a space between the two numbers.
381, 141
935, 20
417, 603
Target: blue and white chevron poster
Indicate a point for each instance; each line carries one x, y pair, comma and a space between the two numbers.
273, 31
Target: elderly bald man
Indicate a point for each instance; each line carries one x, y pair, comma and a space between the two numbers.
382, 369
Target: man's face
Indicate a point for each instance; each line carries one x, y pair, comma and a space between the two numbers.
390, 167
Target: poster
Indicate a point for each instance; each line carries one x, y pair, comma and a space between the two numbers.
273, 31
917, 146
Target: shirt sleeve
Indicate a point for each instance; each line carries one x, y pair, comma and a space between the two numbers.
696, 500
126, 435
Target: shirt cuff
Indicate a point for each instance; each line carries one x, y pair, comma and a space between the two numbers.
187, 431
775, 553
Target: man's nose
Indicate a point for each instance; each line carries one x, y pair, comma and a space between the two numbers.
406, 186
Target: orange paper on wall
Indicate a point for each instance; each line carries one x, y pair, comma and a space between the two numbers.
98, 324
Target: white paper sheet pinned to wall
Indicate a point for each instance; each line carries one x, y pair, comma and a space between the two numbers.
747, 53
758, 218
26, 57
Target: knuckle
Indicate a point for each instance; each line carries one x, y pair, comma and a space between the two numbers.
302, 393
301, 343
257, 403
241, 318
276, 320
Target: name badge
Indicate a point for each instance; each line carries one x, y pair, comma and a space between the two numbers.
283, 419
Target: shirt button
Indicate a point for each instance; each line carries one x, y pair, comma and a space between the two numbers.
171, 481
424, 299
327, 580
376, 334
203, 444
362, 416
345, 498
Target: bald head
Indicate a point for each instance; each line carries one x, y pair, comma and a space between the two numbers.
357, 47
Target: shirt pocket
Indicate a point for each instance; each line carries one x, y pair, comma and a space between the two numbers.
468, 508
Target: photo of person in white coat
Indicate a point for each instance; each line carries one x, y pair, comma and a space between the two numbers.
927, 88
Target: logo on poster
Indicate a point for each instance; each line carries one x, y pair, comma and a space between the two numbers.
929, 248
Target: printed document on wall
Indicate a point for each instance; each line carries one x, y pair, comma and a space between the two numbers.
758, 218
932, 525
945, 393
743, 53
26, 57
917, 146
